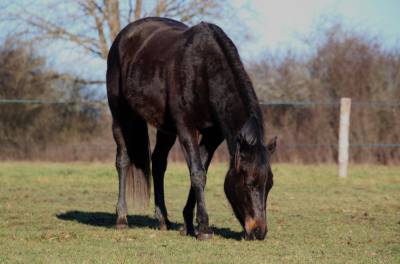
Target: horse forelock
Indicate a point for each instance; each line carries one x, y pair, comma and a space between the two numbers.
252, 131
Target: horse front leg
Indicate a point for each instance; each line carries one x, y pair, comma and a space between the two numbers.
188, 228
189, 143
211, 139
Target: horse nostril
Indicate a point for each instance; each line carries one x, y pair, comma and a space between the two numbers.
255, 229
259, 233
249, 236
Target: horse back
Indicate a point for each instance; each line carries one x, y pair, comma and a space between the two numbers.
162, 67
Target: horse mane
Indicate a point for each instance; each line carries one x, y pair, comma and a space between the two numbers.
241, 77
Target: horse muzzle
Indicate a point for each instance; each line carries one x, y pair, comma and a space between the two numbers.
255, 229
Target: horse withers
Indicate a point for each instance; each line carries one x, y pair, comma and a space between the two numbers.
187, 82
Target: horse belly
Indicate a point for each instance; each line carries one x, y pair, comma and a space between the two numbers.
146, 93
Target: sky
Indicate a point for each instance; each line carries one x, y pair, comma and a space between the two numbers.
275, 26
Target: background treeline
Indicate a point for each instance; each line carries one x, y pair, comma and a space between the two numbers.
341, 64
46, 130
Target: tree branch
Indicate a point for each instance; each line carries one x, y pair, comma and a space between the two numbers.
67, 77
91, 8
138, 9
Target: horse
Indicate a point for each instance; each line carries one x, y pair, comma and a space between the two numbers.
189, 83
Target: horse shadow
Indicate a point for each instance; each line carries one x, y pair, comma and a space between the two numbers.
107, 220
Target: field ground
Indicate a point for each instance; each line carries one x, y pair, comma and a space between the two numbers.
56, 213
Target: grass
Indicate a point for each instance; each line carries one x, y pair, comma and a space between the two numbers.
64, 213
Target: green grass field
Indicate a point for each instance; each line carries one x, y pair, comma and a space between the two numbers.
64, 213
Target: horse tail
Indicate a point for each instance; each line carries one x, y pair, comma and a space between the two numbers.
135, 134
138, 177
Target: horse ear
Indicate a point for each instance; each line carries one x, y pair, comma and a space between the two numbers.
248, 135
272, 145
249, 132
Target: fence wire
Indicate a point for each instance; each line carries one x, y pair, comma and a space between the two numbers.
262, 104
357, 145
50, 102
329, 103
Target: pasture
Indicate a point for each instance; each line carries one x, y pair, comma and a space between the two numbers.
64, 213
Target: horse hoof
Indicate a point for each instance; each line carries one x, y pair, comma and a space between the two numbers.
183, 231
164, 223
121, 226
164, 227
204, 236
122, 223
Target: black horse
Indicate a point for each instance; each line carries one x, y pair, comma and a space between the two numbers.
186, 82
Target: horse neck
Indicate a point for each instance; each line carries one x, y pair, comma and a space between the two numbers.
241, 109
237, 83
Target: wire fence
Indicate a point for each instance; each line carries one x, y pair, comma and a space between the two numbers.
262, 104
297, 104
49, 102
329, 103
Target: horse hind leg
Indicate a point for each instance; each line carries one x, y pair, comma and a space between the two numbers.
133, 165
122, 162
164, 143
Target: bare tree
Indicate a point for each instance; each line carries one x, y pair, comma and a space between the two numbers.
28, 129
344, 63
93, 24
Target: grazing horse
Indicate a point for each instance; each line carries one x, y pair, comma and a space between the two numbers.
186, 82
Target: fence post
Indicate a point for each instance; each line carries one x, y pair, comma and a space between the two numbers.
344, 127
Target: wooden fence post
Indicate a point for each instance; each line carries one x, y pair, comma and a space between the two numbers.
344, 127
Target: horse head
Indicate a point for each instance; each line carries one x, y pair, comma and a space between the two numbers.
249, 179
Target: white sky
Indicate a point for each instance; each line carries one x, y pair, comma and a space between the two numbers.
280, 24
275, 26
